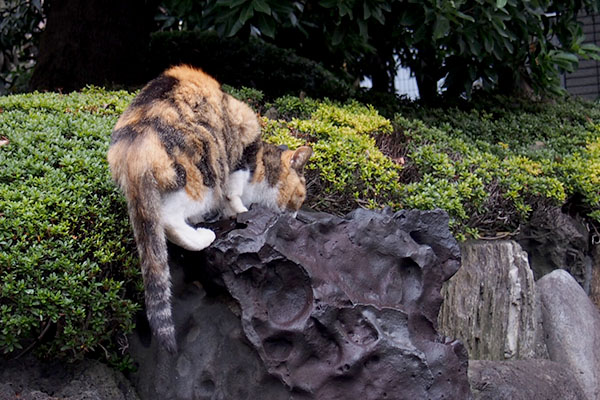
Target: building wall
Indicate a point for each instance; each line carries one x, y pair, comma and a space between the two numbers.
585, 82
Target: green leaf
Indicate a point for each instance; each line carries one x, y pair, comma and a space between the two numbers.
363, 29
474, 46
488, 43
564, 56
366, 11
328, 3
590, 48
293, 19
338, 36
508, 45
465, 16
245, 15
344, 9
499, 26
231, 3
235, 28
441, 27
501, 3
261, 6
408, 18
266, 25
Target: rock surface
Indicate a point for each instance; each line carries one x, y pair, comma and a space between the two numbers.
595, 284
317, 307
572, 329
555, 240
491, 305
523, 380
31, 379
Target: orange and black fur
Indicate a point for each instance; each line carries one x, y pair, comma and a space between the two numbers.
184, 149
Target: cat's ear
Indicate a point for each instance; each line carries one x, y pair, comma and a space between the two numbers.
300, 157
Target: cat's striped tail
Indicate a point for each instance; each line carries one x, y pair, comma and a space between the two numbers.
144, 213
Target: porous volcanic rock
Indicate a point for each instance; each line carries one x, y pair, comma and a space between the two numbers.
314, 307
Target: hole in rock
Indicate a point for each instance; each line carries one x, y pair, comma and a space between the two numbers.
286, 292
241, 225
278, 348
417, 236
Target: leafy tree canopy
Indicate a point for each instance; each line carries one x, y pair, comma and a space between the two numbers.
504, 44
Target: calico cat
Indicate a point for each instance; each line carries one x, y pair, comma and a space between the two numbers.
184, 149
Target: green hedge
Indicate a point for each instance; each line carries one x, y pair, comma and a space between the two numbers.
528, 154
69, 275
68, 270
488, 167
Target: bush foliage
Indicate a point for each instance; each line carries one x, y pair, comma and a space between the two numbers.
488, 167
69, 275
66, 250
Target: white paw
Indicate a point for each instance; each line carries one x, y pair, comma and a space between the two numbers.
204, 238
241, 209
234, 207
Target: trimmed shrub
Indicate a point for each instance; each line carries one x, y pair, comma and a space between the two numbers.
489, 169
528, 154
68, 268
347, 169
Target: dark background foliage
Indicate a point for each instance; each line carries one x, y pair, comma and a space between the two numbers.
504, 45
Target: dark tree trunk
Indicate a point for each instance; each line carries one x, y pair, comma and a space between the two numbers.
101, 42
427, 87
380, 66
382, 76
427, 71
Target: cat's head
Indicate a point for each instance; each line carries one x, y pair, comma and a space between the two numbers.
292, 184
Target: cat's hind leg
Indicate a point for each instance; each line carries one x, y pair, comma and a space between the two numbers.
177, 210
188, 237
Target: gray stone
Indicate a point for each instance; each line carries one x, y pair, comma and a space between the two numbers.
595, 284
317, 307
35, 395
490, 304
42, 380
572, 329
96, 381
7, 392
555, 240
523, 380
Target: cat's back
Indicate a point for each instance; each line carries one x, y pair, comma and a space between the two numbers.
173, 98
181, 125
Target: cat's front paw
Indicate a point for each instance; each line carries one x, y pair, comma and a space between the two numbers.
234, 208
241, 209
